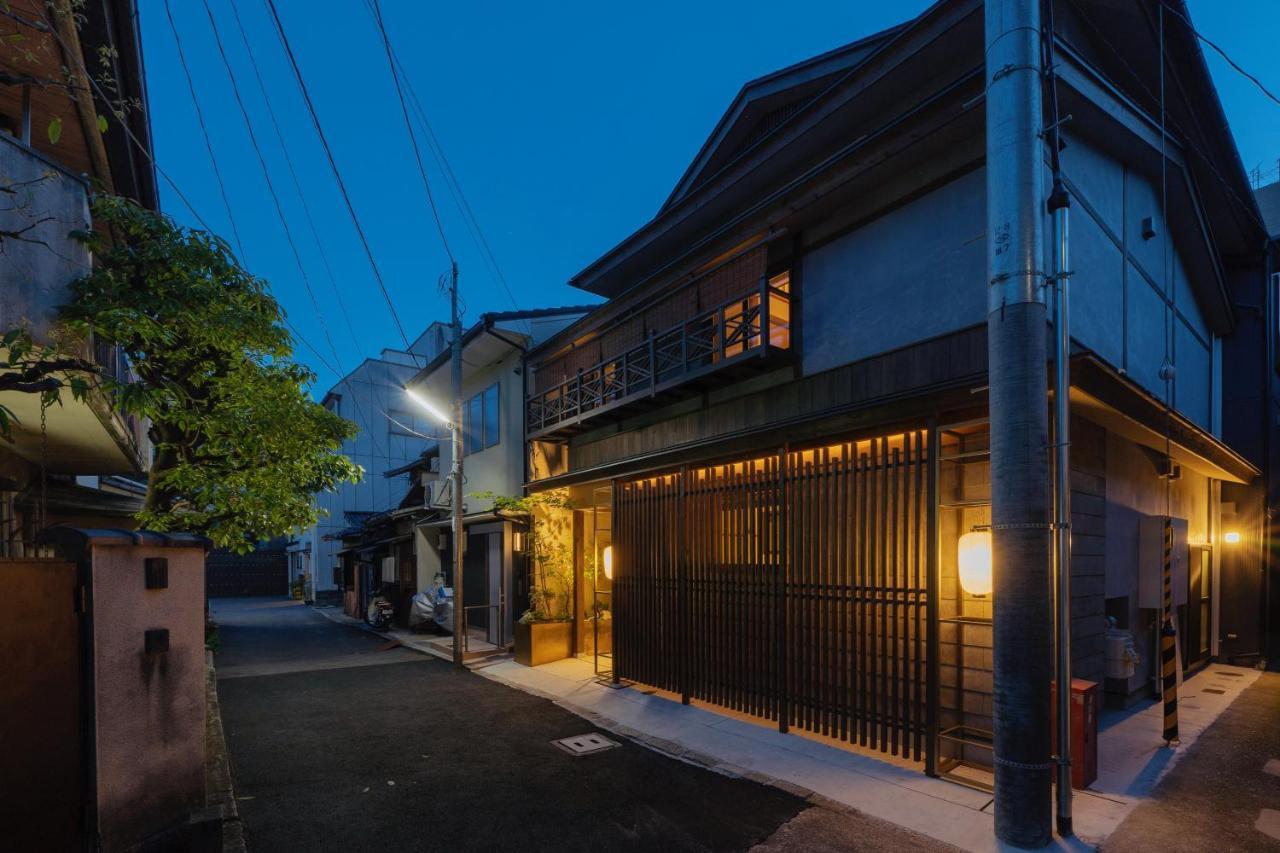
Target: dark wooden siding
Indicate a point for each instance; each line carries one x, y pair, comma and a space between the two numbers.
793, 587
1088, 544
915, 370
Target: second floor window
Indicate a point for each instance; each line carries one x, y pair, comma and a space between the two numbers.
481, 421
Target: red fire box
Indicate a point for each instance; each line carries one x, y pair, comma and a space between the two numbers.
1084, 731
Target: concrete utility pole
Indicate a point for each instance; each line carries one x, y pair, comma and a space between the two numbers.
1016, 332
459, 535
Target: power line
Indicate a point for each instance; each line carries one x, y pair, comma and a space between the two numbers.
204, 130
333, 165
1256, 82
1184, 139
275, 198
146, 152
293, 173
413, 140
469, 219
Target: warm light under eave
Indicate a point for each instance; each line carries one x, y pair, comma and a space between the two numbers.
974, 559
607, 558
426, 404
1231, 537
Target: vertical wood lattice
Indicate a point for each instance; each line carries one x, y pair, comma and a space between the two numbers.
791, 587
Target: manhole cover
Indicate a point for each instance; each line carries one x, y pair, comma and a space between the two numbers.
585, 744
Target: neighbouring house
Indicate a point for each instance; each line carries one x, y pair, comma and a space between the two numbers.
381, 556
88, 449
390, 434
495, 588
102, 630
774, 433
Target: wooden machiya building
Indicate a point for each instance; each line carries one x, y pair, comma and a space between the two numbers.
774, 432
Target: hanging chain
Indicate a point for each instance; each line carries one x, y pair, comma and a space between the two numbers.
43, 517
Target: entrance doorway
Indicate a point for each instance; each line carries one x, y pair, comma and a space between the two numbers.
1197, 614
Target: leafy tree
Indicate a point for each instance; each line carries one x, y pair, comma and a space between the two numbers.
548, 544
239, 445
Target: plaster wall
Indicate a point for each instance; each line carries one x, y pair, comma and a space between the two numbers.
1131, 295
914, 273
150, 714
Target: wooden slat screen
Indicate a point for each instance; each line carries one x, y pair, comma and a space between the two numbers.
792, 587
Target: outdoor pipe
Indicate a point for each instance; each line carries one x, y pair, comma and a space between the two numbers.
1022, 611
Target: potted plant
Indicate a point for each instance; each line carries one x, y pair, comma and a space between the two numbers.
544, 632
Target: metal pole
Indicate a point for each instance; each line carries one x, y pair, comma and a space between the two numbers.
1060, 206
1016, 327
459, 535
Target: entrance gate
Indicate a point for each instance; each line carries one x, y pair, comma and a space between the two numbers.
797, 587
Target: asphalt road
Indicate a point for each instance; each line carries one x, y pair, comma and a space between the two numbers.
336, 745
1225, 793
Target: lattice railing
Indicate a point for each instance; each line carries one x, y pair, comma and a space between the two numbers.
730, 331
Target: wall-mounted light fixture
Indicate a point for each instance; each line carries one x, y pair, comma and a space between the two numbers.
1231, 537
607, 559
974, 557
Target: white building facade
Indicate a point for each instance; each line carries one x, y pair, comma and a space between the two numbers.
390, 434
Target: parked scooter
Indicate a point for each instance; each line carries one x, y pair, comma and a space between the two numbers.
433, 607
381, 612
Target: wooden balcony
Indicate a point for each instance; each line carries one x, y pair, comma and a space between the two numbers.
745, 334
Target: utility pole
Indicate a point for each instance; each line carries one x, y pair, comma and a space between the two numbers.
1016, 331
459, 535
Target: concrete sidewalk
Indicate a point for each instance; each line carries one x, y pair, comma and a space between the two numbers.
1132, 757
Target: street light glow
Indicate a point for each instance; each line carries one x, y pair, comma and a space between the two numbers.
426, 404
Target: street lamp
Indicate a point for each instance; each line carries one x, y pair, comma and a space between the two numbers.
430, 407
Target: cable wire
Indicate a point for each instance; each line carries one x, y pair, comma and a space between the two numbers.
337, 175
408, 126
204, 129
1256, 82
275, 199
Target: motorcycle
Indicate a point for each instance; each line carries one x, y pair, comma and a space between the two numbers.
380, 613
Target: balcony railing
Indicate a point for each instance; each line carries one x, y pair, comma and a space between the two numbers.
753, 325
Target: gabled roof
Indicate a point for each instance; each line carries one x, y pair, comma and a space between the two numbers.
765, 103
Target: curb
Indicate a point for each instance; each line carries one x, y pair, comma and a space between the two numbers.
220, 797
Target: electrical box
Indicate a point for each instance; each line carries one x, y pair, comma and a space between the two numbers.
1151, 562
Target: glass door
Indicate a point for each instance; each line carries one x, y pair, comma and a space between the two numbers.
1196, 616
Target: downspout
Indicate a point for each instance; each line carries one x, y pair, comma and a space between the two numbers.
1059, 207
1016, 329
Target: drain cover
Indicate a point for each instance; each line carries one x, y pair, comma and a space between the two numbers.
1229, 674
1216, 690
585, 744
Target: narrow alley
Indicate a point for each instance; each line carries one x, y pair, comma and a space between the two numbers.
337, 745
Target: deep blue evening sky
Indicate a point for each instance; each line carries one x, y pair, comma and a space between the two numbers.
566, 124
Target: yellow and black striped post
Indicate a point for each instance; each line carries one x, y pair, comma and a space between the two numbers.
1169, 644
